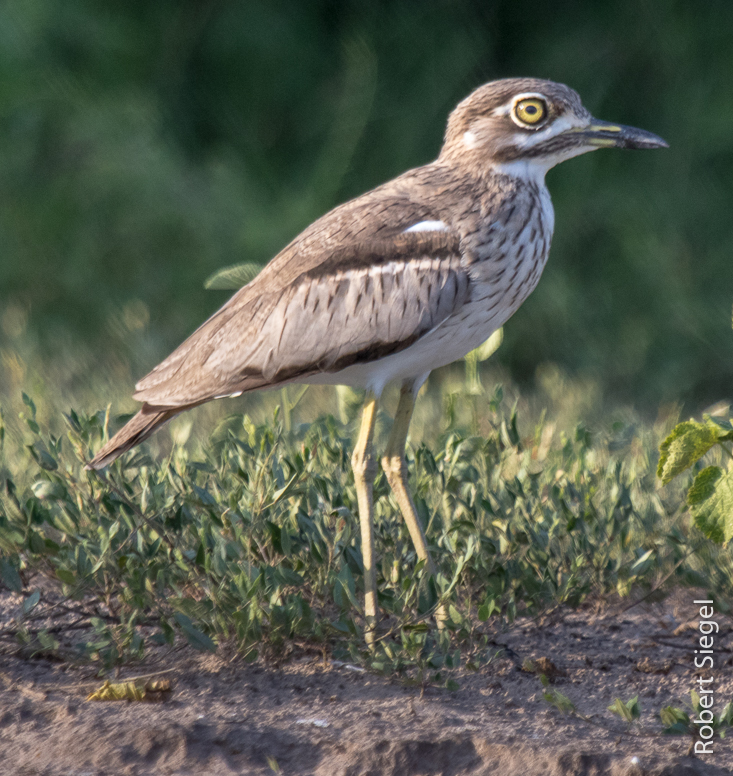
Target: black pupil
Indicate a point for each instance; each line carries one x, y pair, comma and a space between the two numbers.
531, 109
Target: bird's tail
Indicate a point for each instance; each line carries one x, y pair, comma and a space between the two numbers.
136, 430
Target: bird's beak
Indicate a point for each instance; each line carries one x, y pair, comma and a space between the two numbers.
604, 134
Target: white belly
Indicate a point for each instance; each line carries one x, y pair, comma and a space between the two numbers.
441, 346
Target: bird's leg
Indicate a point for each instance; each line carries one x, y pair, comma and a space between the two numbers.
395, 467
365, 468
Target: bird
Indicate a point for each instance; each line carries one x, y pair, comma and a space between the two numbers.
384, 288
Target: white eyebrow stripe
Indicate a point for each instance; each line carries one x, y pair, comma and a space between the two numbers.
506, 108
427, 226
502, 110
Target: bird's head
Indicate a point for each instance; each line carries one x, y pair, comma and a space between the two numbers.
533, 123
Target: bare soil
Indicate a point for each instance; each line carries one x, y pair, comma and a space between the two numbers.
331, 719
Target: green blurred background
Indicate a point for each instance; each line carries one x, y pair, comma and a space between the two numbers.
145, 145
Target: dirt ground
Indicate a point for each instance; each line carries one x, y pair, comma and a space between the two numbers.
306, 717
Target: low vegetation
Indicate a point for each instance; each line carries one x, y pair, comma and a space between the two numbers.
251, 538
675, 720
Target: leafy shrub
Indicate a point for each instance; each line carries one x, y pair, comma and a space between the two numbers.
256, 542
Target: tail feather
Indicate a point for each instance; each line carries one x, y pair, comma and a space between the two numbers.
136, 430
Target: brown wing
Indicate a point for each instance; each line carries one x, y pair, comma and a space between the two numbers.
359, 302
353, 286
136, 430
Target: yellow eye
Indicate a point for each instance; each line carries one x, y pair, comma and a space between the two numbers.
530, 111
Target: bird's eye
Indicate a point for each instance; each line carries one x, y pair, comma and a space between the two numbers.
530, 111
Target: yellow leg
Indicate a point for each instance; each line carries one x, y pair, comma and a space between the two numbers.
395, 468
365, 468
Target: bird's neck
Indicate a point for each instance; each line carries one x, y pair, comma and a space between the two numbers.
513, 204
525, 171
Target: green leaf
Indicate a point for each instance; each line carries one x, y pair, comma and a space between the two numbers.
66, 576
284, 491
687, 443
203, 496
200, 555
559, 701
487, 609
29, 403
10, 576
725, 426
196, 638
628, 711
641, 563
45, 489
233, 277
47, 641
167, 632
416, 627
285, 542
676, 722
427, 594
35, 542
726, 716
344, 590
711, 503
43, 458
31, 602
455, 616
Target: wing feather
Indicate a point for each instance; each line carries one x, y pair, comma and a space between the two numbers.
355, 285
362, 302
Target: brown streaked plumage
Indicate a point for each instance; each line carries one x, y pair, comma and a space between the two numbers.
406, 278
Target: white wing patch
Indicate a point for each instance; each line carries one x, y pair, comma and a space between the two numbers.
427, 226
470, 140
